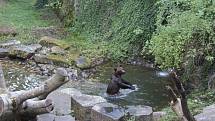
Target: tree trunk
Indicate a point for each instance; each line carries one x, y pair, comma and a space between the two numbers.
178, 98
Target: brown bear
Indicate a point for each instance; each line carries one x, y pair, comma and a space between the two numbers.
117, 82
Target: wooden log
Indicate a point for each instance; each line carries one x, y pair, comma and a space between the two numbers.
55, 81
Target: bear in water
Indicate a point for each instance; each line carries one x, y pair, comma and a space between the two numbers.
117, 82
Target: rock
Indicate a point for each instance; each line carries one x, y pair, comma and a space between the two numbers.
83, 62
57, 50
46, 117
21, 51
6, 31
40, 58
64, 118
35, 47
62, 103
208, 114
57, 60
10, 44
72, 73
83, 105
4, 52
106, 112
157, 116
47, 41
45, 51
52, 117
141, 113
71, 91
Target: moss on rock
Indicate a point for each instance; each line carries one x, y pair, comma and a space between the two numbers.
50, 42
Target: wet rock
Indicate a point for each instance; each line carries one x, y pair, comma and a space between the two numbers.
106, 112
4, 52
21, 51
83, 105
62, 103
141, 113
83, 62
6, 31
157, 116
10, 44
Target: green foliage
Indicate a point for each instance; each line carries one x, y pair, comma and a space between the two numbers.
125, 25
182, 26
21, 15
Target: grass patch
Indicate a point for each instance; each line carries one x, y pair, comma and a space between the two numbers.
21, 15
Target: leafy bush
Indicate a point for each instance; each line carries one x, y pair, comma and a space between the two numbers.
182, 28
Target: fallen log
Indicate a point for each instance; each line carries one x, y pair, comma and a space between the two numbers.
30, 102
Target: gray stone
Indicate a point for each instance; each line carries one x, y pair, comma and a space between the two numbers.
62, 103
64, 118
40, 58
83, 62
35, 47
10, 44
4, 52
106, 112
83, 105
71, 91
157, 116
141, 113
208, 114
21, 51
46, 117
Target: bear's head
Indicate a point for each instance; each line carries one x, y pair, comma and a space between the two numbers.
119, 70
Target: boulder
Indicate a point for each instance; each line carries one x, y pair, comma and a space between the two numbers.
10, 44
141, 113
47, 41
64, 118
106, 112
57, 50
83, 62
157, 116
6, 31
21, 51
83, 105
57, 60
40, 58
45, 117
35, 47
208, 114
